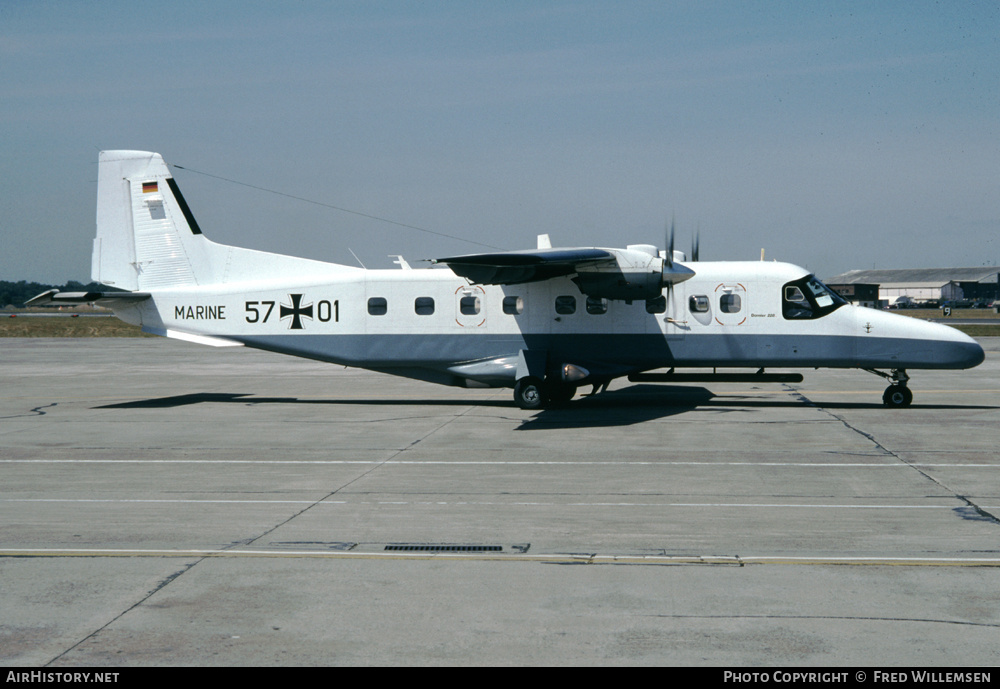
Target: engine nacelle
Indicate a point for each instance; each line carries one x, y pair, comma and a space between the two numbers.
637, 274
620, 285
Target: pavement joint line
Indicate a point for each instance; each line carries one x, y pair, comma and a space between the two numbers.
365, 473
519, 503
590, 558
981, 510
502, 462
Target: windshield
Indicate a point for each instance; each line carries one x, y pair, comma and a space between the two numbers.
809, 298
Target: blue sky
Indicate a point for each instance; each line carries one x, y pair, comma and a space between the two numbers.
834, 135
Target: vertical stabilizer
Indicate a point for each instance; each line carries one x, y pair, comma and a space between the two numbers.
146, 236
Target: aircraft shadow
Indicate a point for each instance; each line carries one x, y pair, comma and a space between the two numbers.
622, 407
247, 398
645, 402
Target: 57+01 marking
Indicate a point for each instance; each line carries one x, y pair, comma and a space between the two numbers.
325, 311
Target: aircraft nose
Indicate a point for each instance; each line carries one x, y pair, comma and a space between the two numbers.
968, 354
903, 342
957, 350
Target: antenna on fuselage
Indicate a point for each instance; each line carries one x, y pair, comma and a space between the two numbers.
356, 258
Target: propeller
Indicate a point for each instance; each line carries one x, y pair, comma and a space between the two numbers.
670, 233
668, 242
668, 262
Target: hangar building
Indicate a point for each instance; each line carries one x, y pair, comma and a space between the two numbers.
919, 285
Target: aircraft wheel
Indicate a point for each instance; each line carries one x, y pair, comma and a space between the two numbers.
897, 396
561, 393
529, 393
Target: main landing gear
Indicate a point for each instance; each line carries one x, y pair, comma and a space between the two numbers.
529, 393
896, 395
535, 393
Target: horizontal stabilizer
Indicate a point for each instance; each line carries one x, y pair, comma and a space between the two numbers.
57, 298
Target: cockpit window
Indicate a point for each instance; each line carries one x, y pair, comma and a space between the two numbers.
809, 298
823, 294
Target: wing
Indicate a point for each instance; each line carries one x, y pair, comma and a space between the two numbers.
636, 272
515, 267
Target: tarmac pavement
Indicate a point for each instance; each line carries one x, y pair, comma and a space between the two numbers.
169, 504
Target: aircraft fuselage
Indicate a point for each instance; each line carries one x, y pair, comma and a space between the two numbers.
434, 325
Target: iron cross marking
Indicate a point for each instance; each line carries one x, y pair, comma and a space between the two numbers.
296, 311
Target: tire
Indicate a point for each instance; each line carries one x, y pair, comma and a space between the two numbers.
897, 396
561, 393
529, 393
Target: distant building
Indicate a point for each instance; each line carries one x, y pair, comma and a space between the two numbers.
857, 293
918, 285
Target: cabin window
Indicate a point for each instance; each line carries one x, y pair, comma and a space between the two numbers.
730, 303
566, 305
513, 305
377, 306
698, 304
597, 305
658, 305
424, 306
469, 306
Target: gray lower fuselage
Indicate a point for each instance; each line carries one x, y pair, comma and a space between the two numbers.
435, 326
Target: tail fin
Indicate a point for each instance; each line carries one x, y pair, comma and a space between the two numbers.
147, 238
146, 235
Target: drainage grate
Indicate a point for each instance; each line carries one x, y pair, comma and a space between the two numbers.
444, 548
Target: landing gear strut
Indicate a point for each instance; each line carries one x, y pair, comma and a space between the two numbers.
896, 395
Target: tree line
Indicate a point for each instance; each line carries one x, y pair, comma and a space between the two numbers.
16, 293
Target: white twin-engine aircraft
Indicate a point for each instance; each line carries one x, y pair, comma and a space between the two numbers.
542, 322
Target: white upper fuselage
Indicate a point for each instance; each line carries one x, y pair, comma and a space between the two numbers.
729, 315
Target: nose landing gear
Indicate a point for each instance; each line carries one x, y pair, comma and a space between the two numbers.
896, 395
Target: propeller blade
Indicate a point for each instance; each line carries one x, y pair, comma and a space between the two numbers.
670, 251
696, 245
673, 272
668, 241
